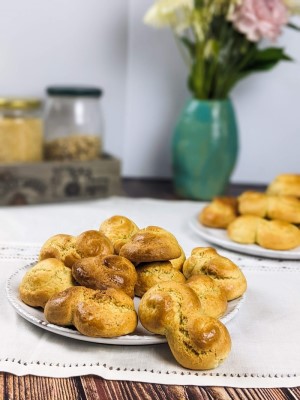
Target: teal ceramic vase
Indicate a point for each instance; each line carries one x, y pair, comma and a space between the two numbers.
204, 148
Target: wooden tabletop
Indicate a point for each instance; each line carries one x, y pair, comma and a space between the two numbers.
163, 188
95, 388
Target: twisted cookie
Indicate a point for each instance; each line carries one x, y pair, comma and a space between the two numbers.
151, 244
226, 274
174, 310
69, 248
285, 185
149, 274
284, 208
219, 213
212, 297
44, 280
178, 262
96, 313
119, 230
275, 234
102, 272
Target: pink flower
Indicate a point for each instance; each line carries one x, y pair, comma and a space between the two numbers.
259, 19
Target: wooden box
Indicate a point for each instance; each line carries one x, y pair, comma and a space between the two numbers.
53, 181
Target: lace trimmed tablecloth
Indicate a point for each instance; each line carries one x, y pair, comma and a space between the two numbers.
265, 332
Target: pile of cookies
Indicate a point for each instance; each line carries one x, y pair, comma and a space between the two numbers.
89, 282
270, 220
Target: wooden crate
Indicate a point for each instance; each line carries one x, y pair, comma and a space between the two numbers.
54, 181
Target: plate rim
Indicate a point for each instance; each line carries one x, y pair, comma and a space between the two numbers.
254, 250
130, 340
16, 303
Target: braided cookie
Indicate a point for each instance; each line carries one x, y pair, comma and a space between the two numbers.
151, 244
96, 313
226, 274
45, 279
213, 298
178, 262
274, 235
219, 213
285, 185
102, 272
149, 274
119, 230
284, 208
69, 248
174, 310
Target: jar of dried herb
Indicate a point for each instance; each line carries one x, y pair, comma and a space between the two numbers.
73, 123
21, 131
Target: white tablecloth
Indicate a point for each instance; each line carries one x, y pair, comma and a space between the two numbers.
265, 332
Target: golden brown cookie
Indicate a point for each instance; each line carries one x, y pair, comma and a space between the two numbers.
69, 248
61, 308
227, 275
212, 297
178, 262
95, 313
219, 213
202, 343
244, 229
151, 244
119, 230
93, 243
274, 234
174, 310
150, 274
277, 235
284, 208
62, 247
285, 185
44, 280
165, 304
102, 272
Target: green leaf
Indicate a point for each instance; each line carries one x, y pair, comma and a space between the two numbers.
272, 54
293, 26
256, 61
264, 60
189, 45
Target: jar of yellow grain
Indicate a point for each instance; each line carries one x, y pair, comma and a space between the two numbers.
73, 123
21, 132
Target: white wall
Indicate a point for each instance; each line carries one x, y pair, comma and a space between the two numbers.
67, 42
156, 91
268, 109
106, 44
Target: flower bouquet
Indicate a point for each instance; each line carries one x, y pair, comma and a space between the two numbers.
221, 38
222, 41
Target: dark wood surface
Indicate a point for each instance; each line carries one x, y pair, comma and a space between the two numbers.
94, 388
163, 188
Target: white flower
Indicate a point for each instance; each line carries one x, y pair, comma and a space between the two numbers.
293, 6
168, 13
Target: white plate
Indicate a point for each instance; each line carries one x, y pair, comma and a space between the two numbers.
140, 336
219, 237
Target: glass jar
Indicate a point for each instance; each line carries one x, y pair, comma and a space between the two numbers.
73, 123
21, 132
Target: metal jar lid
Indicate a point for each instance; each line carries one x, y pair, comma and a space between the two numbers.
16, 103
74, 91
